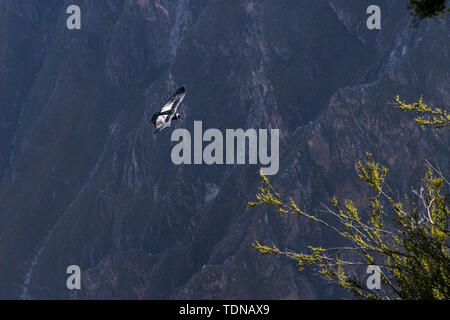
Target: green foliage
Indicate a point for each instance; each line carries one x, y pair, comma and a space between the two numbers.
422, 9
413, 256
428, 116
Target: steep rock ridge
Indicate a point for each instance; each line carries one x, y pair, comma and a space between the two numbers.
140, 174
354, 17
60, 115
320, 162
88, 168
311, 52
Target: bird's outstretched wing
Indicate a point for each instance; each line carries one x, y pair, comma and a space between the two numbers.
163, 119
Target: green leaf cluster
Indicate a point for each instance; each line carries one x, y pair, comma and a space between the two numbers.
428, 116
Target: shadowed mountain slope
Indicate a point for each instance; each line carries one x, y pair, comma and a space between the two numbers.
85, 181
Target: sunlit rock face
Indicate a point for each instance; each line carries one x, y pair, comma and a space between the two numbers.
84, 181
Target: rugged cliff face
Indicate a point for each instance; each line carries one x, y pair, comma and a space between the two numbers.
85, 181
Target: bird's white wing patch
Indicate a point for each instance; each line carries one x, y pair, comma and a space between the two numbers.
161, 122
168, 106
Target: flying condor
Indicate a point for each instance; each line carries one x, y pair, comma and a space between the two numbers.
163, 118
